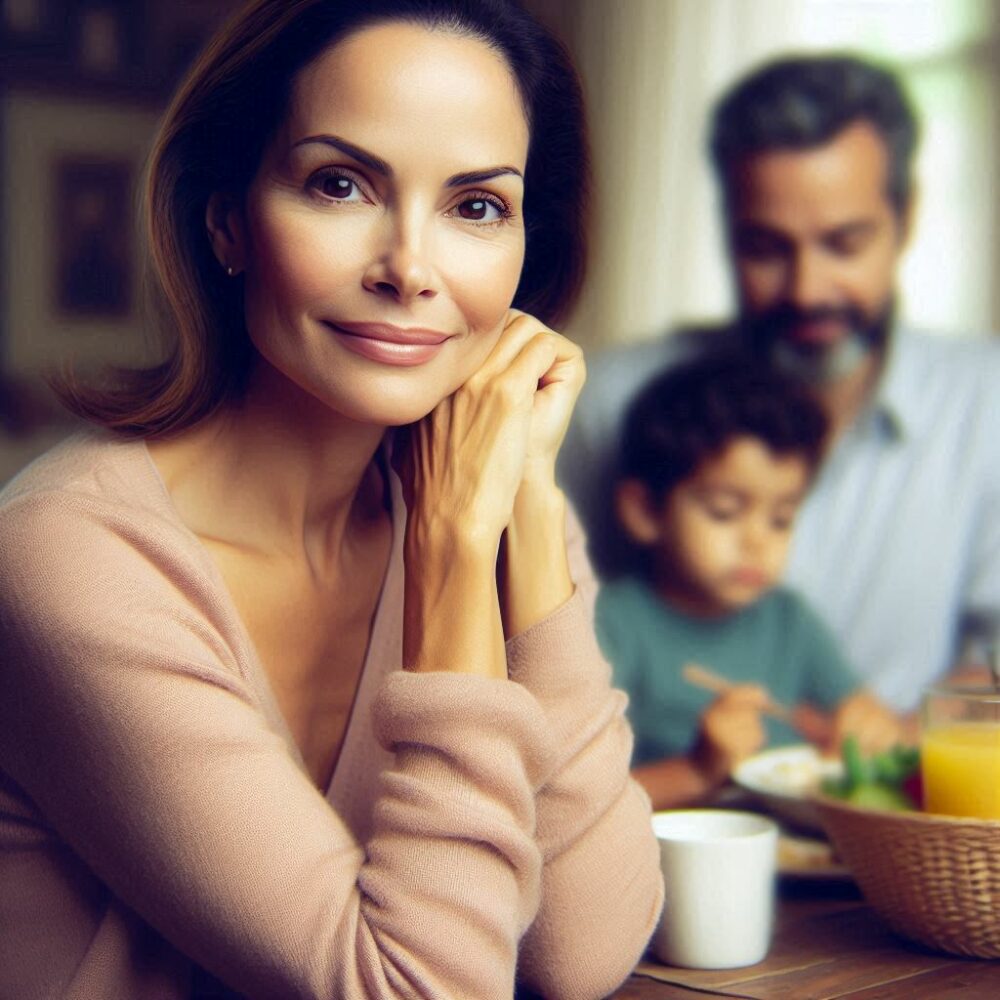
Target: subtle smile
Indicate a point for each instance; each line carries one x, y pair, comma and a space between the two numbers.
389, 345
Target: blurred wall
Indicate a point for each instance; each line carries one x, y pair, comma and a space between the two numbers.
82, 87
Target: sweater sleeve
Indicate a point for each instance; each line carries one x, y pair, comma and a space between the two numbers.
127, 721
601, 884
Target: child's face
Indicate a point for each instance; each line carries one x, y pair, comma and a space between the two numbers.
726, 529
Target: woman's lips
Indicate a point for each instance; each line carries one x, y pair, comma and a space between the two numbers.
390, 345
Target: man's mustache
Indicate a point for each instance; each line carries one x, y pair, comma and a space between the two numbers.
787, 315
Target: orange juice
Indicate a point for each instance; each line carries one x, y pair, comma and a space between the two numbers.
960, 765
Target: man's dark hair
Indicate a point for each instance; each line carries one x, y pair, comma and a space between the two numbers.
800, 102
693, 411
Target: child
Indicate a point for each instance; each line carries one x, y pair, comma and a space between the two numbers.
717, 456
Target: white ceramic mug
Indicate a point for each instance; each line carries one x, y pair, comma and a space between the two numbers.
719, 870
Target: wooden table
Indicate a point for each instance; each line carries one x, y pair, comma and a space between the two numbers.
828, 944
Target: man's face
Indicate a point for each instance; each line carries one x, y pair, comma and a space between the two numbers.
815, 244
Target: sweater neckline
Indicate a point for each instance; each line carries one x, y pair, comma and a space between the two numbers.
378, 637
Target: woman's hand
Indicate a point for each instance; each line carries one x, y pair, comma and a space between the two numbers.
462, 467
463, 463
534, 577
553, 403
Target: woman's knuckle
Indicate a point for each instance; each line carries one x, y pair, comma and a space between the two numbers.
506, 392
471, 388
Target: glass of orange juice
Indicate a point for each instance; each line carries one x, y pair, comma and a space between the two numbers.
960, 751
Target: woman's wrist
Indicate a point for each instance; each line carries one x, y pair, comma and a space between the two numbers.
535, 578
451, 610
433, 537
539, 481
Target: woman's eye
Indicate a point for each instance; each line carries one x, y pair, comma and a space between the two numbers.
481, 210
340, 187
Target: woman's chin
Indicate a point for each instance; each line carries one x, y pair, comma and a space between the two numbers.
387, 411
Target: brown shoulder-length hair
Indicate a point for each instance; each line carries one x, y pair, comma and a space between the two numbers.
212, 139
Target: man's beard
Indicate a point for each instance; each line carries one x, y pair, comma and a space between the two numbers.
768, 335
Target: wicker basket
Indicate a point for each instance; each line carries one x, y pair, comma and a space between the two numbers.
934, 879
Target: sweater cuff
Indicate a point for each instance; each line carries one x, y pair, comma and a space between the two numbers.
467, 718
557, 655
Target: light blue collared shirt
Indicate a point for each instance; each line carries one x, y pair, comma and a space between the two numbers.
900, 536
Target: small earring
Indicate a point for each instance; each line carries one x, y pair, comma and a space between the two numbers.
229, 270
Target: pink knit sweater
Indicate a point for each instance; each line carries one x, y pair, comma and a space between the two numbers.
155, 814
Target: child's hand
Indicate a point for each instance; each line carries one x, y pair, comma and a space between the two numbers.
869, 721
862, 715
731, 730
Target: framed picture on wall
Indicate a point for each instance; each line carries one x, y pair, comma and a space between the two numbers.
72, 256
93, 252
31, 23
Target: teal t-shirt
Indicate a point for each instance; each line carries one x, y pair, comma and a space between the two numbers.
778, 642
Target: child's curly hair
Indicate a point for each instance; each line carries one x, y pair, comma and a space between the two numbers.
693, 411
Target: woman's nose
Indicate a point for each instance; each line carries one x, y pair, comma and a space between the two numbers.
401, 266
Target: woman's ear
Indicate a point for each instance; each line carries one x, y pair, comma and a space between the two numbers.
226, 231
637, 513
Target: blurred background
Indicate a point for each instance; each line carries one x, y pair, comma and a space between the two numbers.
84, 82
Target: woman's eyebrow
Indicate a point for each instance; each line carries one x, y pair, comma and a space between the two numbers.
377, 164
370, 160
479, 176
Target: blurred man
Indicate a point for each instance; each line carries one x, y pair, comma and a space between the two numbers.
900, 540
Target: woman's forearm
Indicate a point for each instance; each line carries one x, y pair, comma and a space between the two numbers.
535, 578
451, 613
587, 804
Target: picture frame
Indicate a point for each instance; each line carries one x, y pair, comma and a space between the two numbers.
94, 254
72, 249
29, 23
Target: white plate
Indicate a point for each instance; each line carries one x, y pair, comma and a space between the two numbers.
808, 858
783, 779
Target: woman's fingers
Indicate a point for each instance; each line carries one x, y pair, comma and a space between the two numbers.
536, 357
467, 456
519, 329
567, 364
556, 388
471, 455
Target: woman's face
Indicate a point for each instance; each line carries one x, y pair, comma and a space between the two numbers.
382, 237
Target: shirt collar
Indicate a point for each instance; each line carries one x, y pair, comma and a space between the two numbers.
896, 405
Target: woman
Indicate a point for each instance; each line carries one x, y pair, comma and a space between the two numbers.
262, 731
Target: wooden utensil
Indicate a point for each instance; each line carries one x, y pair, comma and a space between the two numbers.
709, 680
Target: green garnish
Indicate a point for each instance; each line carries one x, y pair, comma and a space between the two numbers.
878, 782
